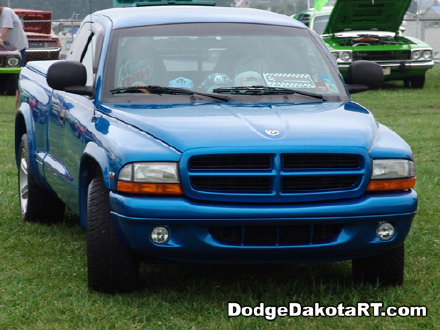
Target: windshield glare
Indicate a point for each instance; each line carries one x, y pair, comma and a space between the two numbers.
206, 56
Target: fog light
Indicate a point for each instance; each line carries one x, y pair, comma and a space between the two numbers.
385, 231
160, 235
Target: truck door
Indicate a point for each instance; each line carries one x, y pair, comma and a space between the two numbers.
69, 120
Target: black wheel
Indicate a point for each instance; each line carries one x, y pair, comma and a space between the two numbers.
384, 269
112, 267
11, 84
37, 204
415, 82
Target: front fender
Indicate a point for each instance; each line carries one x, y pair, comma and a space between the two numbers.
388, 144
93, 152
93, 161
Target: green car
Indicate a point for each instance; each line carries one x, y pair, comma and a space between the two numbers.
9, 69
369, 30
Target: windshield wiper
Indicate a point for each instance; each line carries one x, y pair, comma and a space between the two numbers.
265, 90
153, 89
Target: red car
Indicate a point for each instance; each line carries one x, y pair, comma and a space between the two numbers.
43, 44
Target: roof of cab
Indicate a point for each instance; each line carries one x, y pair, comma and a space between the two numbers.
154, 15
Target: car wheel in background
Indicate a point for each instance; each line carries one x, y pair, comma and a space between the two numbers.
384, 269
112, 267
37, 204
11, 84
415, 82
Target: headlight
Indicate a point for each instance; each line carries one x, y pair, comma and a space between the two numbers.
150, 172
345, 56
392, 174
335, 55
13, 61
416, 54
150, 178
393, 169
427, 55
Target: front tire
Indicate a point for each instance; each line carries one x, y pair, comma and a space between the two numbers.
36, 203
384, 269
112, 267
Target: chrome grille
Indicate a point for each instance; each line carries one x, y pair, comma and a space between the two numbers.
382, 55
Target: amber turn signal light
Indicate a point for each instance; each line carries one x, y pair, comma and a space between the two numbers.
150, 188
395, 184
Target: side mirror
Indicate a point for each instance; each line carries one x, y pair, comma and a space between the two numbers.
69, 76
365, 73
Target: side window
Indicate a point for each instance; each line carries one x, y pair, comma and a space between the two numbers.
77, 49
87, 48
87, 59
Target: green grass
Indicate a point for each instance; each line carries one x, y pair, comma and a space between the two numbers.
43, 281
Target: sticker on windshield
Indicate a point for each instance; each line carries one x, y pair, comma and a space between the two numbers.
329, 82
138, 74
289, 80
327, 78
322, 87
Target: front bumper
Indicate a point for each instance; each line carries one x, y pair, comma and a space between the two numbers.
398, 65
43, 50
39, 54
394, 70
190, 224
10, 70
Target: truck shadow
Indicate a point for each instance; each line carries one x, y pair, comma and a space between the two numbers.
255, 281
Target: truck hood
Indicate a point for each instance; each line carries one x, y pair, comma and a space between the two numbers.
367, 15
232, 125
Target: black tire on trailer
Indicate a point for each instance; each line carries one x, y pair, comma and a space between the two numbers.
36, 203
112, 267
385, 269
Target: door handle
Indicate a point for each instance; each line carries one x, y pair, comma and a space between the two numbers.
63, 116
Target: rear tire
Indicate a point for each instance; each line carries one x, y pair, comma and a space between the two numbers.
36, 203
415, 82
112, 267
384, 269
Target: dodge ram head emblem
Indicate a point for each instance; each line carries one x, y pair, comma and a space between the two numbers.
272, 132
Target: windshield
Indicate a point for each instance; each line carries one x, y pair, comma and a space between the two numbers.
208, 57
320, 23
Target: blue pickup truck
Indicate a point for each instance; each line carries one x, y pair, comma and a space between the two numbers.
208, 134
